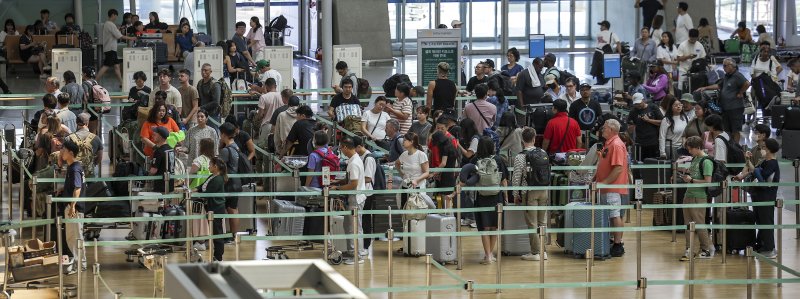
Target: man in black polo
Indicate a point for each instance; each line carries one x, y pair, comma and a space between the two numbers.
732, 89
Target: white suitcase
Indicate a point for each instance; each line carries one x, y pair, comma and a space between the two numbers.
150, 230
247, 205
149, 205
414, 246
337, 228
442, 249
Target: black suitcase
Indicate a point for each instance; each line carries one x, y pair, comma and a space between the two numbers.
777, 113
792, 112
124, 169
653, 176
380, 223
790, 150
314, 226
739, 239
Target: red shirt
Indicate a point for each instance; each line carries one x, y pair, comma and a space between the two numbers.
555, 133
435, 158
614, 154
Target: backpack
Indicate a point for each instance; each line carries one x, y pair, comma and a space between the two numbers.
85, 153
243, 167
363, 89
489, 173
225, 99
379, 178
537, 167
391, 84
279, 23
99, 94
719, 174
506, 87
735, 154
329, 160
564, 76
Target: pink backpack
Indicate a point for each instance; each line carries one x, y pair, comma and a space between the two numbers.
99, 95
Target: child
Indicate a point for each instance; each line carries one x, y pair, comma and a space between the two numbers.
422, 127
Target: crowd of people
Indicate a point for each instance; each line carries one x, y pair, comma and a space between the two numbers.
487, 143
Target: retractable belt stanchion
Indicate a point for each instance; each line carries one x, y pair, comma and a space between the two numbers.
356, 251
9, 175
724, 211
96, 270
390, 238
589, 261
749, 253
796, 164
642, 286
469, 287
188, 200
325, 226
499, 268
210, 219
674, 198
460, 250
33, 205
542, 236
428, 274
691, 231
779, 243
49, 208
638, 239
21, 193
79, 261
237, 240
593, 197
60, 245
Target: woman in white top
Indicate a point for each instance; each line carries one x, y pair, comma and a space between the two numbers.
196, 134
765, 63
255, 36
413, 162
373, 121
672, 128
666, 52
9, 29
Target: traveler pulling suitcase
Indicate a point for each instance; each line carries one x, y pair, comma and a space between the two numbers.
286, 226
515, 244
577, 243
414, 246
247, 205
739, 239
443, 249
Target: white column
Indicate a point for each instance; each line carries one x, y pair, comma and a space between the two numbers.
326, 39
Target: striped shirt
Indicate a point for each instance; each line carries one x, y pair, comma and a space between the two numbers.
405, 106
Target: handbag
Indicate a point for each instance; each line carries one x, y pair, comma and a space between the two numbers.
749, 108
416, 201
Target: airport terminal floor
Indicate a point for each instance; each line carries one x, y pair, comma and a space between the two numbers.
660, 263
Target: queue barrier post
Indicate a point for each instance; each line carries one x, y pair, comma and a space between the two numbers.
326, 226
593, 198
237, 245
796, 164
59, 242
726, 198
674, 198
79, 256
499, 268
390, 269
428, 258
297, 292
21, 193
470, 288
118, 295
642, 286
9, 175
96, 269
460, 251
638, 207
589, 257
749, 253
188, 200
542, 236
691, 229
33, 205
49, 208
779, 241
210, 219
356, 249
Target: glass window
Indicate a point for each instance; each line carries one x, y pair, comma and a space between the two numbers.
761, 13
728, 13
288, 8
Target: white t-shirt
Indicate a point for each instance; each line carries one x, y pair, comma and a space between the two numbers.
355, 171
682, 25
369, 170
663, 53
173, 97
110, 36
272, 74
687, 48
720, 149
376, 123
607, 37
676, 135
758, 67
3, 35
270, 101
411, 165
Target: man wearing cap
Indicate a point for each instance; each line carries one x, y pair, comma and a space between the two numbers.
489, 68
731, 98
645, 121
555, 90
82, 135
160, 158
265, 72
688, 102
587, 111
456, 24
549, 63
606, 37
480, 76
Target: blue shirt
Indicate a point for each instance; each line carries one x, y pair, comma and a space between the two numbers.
513, 71
185, 41
501, 108
315, 164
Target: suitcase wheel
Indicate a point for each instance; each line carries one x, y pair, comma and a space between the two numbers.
335, 257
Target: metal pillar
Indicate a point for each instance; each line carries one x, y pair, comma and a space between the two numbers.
503, 28
326, 39
691, 231
390, 237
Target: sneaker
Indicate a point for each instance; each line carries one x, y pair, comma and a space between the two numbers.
488, 261
545, 256
705, 254
769, 254
685, 257
617, 250
229, 242
363, 253
353, 261
464, 222
473, 224
531, 257
494, 259
43, 76
199, 246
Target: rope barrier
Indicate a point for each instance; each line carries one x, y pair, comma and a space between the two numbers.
448, 272
775, 264
553, 285
143, 242
414, 289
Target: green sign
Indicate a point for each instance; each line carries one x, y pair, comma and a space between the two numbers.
435, 52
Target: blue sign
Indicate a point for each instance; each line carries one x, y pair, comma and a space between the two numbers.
612, 66
536, 45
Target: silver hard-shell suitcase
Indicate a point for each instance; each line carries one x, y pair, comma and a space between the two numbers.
443, 249
517, 244
247, 205
286, 226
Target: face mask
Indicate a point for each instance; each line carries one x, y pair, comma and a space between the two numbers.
491, 98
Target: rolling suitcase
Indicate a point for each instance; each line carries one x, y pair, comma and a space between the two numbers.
777, 113
792, 112
247, 205
790, 150
662, 216
150, 230
577, 243
739, 239
173, 228
314, 226
559, 197
286, 226
337, 228
442, 249
414, 246
381, 223
653, 176
515, 244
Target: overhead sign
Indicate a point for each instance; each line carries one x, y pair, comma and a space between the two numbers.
612, 66
435, 46
280, 59
536, 45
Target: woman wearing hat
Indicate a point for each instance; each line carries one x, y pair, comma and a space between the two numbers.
657, 84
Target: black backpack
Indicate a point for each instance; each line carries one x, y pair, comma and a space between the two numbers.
243, 166
735, 154
719, 174
379, 178
279, 23
537, 167
563, 76
504, 82
391, 84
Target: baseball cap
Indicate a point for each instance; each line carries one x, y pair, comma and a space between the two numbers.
83, 119
584, 85
549, 79
489, 62
455, 22
262, 63
688, 97
161, 131
638, 98
604, 23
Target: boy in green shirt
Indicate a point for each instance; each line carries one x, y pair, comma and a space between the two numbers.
694, 145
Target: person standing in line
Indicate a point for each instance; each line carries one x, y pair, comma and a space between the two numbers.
520, 177
355, 181
612, 169
700, 171
683, 23
190, 99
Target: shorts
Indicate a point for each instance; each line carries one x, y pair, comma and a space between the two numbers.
613, 199
487, 219
110, 58
232, 202
733, 120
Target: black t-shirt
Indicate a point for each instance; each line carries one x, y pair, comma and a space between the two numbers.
27, 53
274, 119
134, 92
73, 180
649, 10
160, 163
339, 100
474, 81
444, 95
587, 118
241, 140
646, 133
302, 132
